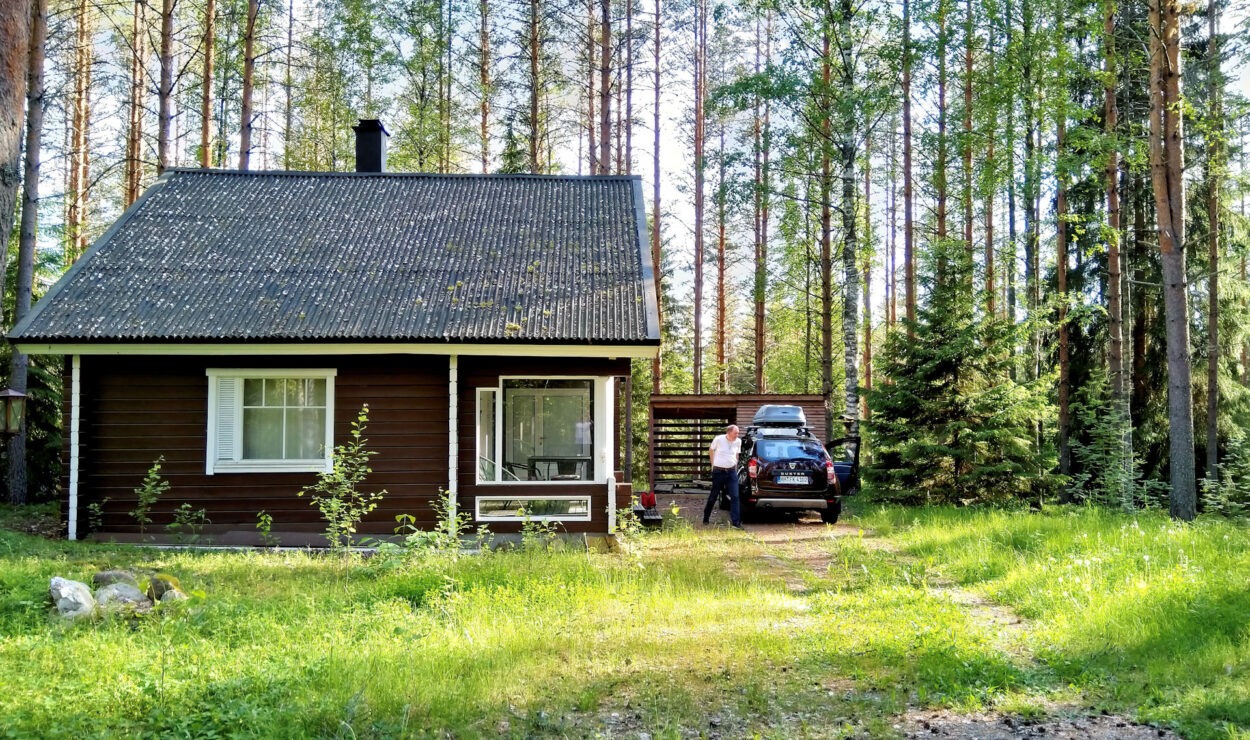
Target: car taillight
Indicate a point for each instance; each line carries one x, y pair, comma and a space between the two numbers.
753, 468
831, 475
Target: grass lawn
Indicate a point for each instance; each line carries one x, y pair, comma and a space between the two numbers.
813, 632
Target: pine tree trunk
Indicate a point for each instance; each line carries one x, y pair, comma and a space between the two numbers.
29, 233
206, 94
79, 168
484, 80
289, 84
605, 89
700, 89
592, 149
165, 94
761, 250
1009, 261
1061, 275
867, 272
1215, 163
909, 256
656, 366
722, 267
940, 166
447, 24
14, 58
134, 132
1167, 159
249, 73
1140, 376
891, 279
826, 235
991, 307
967, 146
629, 89
534, 50
1115, 305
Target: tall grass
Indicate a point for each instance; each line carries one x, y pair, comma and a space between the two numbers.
1139, 612
696, 633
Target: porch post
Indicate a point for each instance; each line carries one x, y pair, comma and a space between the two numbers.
75, 413
453, 441
605, 457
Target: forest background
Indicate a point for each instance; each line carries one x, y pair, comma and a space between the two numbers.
1009, 236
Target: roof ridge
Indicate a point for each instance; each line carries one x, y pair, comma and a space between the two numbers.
405, 175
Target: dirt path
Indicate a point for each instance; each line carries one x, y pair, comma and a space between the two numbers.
795, 550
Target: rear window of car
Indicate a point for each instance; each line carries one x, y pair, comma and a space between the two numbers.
789, 449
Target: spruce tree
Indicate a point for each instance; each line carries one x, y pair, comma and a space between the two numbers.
949, 424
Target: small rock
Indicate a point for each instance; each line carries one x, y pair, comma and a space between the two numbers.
644, 736
108, 577
72, 599
119, 596
160, 583
174, 594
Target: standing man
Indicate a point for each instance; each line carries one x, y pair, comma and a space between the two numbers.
724, 455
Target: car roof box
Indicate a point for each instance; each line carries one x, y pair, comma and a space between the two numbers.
779, 415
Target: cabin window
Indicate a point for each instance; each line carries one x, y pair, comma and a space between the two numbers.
536, 429
270, 420
533, 508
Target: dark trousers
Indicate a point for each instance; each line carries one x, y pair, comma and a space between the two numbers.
727, 481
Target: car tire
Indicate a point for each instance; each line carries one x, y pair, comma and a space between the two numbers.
831, 514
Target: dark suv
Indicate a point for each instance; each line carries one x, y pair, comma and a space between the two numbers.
784, 466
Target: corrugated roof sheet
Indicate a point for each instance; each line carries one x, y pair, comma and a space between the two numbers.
229, 256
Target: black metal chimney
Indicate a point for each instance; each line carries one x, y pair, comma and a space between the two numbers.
371, 139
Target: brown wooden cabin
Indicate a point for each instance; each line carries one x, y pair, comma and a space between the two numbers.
235, 324
682, 427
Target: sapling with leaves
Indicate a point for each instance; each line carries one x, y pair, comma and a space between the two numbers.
337, 493
152, 488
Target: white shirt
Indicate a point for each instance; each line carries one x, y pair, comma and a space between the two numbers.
724, 452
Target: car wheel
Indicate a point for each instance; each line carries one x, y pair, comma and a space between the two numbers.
831, 514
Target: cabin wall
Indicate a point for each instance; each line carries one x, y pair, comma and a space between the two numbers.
136, 409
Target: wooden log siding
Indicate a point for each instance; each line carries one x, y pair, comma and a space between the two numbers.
484, 372
135, 409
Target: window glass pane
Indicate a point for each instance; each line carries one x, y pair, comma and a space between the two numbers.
305, 433
274, 388
487, 469
262, 434
253, 392
316, 392
548, 429
517, 508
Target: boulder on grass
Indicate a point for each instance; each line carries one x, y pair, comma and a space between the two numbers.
161, 584
173, 594
120, 597
107, 577
72, 599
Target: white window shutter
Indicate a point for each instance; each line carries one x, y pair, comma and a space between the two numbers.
226, 445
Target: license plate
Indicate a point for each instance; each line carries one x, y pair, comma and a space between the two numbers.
792, 480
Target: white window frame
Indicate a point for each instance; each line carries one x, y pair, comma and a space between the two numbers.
601, 425
477, 513
236, 463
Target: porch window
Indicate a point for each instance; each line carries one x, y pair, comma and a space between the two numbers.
270, 420
532, 429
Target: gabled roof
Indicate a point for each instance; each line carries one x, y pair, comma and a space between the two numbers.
219, 256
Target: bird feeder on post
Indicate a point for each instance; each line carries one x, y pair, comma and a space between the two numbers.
12, 411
